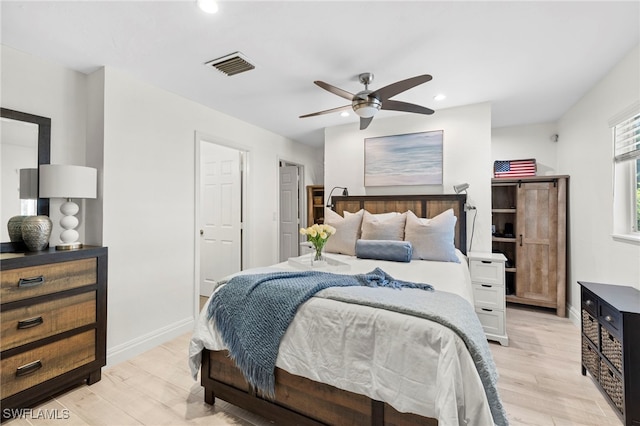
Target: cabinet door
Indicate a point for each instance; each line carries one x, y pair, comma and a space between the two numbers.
536, 242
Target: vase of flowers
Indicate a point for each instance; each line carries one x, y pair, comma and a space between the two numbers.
318, 235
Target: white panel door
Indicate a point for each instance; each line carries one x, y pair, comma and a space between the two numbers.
289, 212
220, 214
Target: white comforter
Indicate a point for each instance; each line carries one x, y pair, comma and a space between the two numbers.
415, 365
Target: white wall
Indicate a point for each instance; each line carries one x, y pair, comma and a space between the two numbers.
142, 140
530, 141
30, 84
466, 158
585, 152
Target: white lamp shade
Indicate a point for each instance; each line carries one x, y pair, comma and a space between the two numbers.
28, 184
66, 181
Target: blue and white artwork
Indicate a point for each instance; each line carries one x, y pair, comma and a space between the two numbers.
411, 159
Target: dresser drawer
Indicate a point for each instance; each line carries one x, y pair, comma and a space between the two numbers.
488, 296
484, 271
590, 302
22, 283
610, 318
492, 320
28, 369
31, 323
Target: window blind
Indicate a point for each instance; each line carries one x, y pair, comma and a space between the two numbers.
627, 139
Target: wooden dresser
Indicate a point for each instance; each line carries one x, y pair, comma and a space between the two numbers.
611, 345
53, 321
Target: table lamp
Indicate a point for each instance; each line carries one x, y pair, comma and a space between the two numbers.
66, 181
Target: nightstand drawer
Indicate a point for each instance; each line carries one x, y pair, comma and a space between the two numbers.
31, 368
484, 271
488, 296
34, 322
492, 320
22, 283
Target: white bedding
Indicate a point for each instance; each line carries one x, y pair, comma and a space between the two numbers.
415, 365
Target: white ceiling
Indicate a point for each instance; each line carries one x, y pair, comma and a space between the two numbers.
531, 60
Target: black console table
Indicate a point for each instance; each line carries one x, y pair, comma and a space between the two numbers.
611, 345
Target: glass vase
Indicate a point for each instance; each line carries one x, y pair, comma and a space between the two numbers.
318, 258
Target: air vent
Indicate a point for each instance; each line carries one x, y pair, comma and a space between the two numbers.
232, 64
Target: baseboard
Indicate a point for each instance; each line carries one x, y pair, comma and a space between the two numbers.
132, 348
574, 315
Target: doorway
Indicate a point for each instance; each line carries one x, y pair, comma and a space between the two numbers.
220, 189
291, 197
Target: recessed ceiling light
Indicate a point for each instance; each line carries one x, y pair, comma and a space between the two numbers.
208, 6
344, 114
439, 97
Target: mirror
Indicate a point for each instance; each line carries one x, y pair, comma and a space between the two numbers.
25, 143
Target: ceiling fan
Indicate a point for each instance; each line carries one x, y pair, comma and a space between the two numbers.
367, 103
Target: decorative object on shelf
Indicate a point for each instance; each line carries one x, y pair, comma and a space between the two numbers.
36, 231
66, 181
14, 226
345, 193
318, 236
410, 159
514, 168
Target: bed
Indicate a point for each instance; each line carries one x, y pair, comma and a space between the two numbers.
404, 371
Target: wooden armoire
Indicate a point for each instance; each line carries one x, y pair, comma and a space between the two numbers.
529, 216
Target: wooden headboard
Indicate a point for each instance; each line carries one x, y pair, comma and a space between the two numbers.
426, 206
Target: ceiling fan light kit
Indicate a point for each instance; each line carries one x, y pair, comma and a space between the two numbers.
367, 103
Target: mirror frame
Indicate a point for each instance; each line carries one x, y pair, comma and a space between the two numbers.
44, 155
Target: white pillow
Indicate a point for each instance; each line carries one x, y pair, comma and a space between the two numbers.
383, 227
347, 232
432, 239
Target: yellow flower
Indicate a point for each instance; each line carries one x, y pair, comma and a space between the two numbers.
324, 235
303, 231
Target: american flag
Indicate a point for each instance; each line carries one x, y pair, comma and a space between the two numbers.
514, 168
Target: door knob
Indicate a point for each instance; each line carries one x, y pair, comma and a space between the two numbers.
202, 232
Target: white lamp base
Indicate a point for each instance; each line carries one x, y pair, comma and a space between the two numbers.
69, 237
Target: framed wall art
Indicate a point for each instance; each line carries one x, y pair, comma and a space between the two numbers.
410, 159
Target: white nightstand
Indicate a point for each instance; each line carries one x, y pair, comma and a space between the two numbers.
487, 279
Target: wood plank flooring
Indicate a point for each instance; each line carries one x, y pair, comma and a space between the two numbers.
540, 384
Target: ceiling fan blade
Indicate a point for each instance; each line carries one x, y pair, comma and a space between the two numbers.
335, 90
391, 90
364, 122
405, 107
328, 111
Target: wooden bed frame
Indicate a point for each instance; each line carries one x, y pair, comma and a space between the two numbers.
300, 401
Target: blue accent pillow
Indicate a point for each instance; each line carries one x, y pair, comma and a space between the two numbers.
397, 251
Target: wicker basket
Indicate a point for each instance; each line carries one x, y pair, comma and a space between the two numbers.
590, 327
612, 385
590, 360
611, 348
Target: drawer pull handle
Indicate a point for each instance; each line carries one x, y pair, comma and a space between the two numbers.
608, 318
486, 285
26, 369
588, 303
487, 310
31, 322
31, 282
485, 261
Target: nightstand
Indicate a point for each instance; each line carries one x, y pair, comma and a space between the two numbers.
488, 281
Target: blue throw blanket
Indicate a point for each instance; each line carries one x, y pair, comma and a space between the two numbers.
252, 313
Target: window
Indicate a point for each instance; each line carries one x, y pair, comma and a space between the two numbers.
637, 194
626, 136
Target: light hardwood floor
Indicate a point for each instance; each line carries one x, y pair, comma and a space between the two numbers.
540, 384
